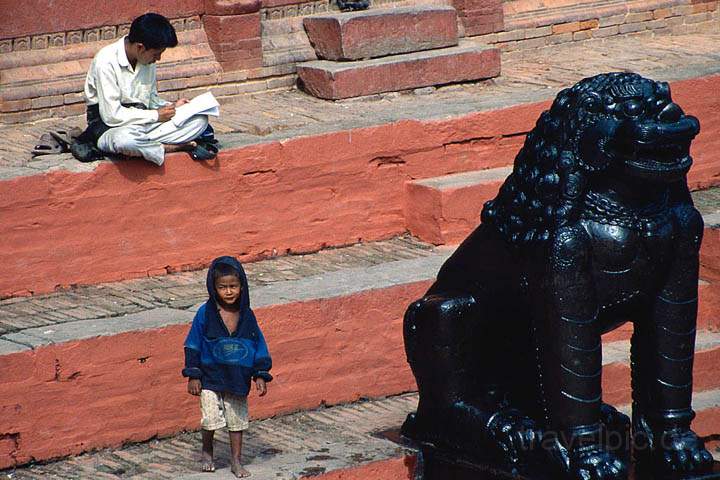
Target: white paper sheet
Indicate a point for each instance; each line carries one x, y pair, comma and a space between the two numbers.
204, 104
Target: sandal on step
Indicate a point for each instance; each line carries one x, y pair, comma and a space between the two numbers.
47, 145
203, 151
66, 137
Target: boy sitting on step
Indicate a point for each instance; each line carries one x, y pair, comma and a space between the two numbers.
224, 350
124, 112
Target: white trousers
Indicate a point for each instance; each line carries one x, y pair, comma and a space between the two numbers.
147, 140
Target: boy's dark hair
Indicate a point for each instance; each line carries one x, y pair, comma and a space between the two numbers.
223, 269
153, 31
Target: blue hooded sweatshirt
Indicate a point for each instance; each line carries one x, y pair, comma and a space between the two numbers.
221, 361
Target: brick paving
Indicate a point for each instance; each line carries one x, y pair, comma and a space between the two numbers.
186, 289
528, 75
286, 447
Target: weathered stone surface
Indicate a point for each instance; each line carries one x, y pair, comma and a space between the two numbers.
235, 40
336, 80
377, 33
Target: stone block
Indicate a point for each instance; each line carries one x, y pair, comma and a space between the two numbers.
612, 20
638, 17
48, 101
231, 7
377, 33
582, 35
633, 27
606, 31
568, 27
335, 80
444, 210
661, 13
229, 28
7, 106
235, 40
483, 25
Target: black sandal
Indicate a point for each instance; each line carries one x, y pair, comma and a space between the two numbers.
204, 151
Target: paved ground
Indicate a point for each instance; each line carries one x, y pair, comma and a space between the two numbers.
184, 290
528, 75
283, 448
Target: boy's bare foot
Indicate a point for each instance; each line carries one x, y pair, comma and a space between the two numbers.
207, 463
239, 470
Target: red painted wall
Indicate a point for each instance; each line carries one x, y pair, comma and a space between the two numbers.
398, 468
67, 398
33, 17
131, 219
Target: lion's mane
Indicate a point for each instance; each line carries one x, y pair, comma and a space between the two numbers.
549, 180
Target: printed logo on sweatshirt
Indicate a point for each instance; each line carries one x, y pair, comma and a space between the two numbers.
234, 351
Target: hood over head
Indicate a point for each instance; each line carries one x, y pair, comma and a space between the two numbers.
244, 301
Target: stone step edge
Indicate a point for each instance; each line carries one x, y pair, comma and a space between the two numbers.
465, 179
335, 284
465, 46
470, 61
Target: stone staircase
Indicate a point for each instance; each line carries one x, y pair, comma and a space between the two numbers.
384, 50
333, 321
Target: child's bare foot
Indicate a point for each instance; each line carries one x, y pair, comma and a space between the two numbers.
207, 463
239, 470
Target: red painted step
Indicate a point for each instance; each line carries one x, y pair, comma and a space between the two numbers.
444, 210
336, 80
381, 32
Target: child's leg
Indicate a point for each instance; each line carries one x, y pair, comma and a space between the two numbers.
208, 465
212, 419
236, 453
236, 415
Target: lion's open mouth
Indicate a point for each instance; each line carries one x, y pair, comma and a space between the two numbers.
662, 157
658, 149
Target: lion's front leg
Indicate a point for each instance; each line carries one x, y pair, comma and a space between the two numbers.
663, 352
569, 342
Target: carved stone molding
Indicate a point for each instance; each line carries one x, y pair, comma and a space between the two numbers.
60, 39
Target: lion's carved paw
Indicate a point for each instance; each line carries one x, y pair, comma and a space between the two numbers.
680, 450
513, 433
592, 462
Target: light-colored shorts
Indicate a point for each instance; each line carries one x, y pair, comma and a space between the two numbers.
223, 410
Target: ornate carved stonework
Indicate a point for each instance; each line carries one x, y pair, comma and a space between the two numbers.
60, 39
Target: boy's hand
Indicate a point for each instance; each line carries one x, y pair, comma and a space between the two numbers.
194, 386
166, 113
261, 386
182, 101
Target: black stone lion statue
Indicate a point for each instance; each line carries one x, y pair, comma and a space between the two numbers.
594, 227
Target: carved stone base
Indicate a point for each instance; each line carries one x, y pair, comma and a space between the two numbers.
434, 465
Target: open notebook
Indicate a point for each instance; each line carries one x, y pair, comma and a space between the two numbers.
204, 104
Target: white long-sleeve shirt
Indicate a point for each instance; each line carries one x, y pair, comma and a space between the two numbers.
112, 81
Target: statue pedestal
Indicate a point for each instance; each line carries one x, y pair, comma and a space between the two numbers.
433, 465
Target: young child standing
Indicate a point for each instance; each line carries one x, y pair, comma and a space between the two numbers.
224, 350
